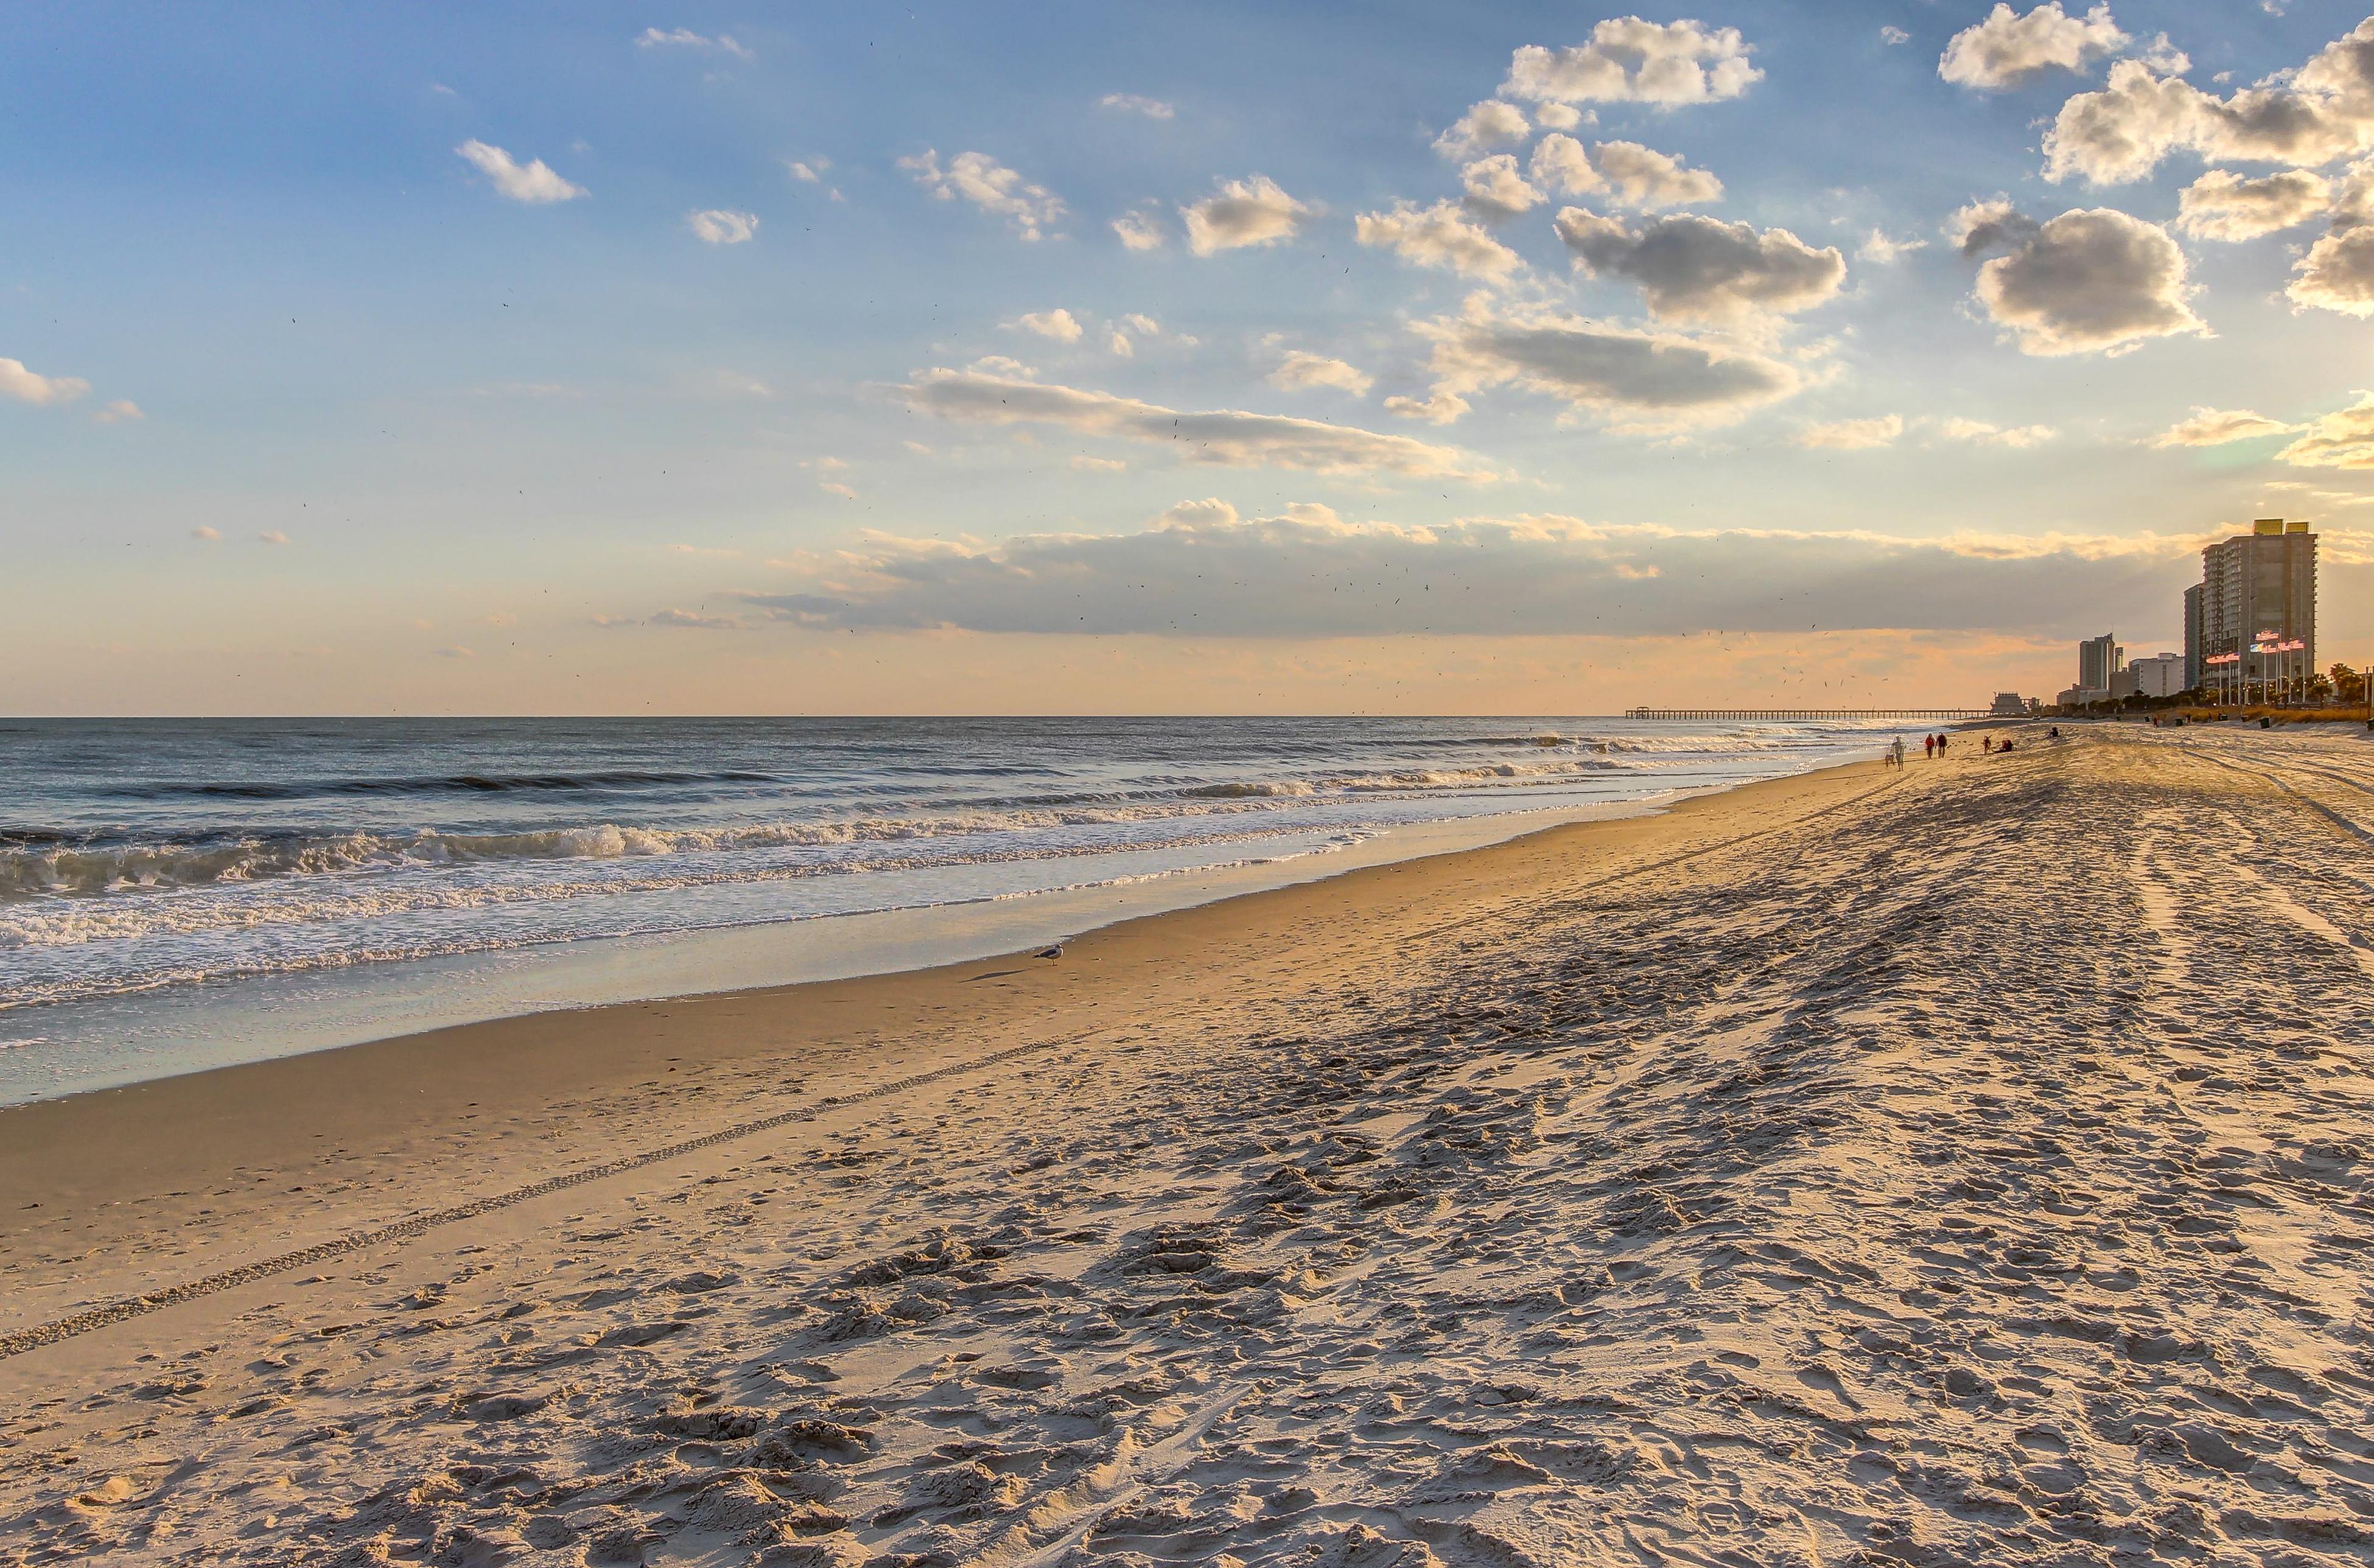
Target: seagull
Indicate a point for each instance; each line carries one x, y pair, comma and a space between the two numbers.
1054, 952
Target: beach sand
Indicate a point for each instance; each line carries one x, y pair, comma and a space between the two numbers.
1968, 1165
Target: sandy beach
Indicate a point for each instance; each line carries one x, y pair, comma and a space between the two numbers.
1968, 1165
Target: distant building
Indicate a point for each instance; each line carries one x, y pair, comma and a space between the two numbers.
2078, 696
2162, 675
2257, 623
2098, 659
2009, 705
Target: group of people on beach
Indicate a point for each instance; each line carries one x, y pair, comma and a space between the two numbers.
1934, 748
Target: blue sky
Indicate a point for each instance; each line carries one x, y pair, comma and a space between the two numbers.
310, 412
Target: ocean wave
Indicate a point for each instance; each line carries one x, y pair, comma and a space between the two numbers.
41, 867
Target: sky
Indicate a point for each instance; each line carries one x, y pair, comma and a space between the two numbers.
1202, 358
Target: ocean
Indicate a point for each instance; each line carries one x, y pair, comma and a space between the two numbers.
177, 893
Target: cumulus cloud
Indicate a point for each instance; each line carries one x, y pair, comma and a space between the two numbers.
1980, 432
988, 184
1485, 126
1059, 324
722, 226
1136, 103
2090, 280
1560, 164
1496, 192
685, 38
2215, 427
2222, 205
1647, 382
1241, 213
2007, 49
1441, 235
271, 537
1302, 370
2337, 274
2340, 440
1646, 179
207, 536
29, 386
121, 411
808, 170
2305, 118
1563, 116
1630, 60
1853, 435
1203, 569
1226, 437
533, 183
1694, 268
1892, 35
1140, 231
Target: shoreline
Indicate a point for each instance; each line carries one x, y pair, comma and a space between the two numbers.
390, 1100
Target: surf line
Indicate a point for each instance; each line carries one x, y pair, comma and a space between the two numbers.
127, 1307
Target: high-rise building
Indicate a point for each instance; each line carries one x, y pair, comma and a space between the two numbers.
2192, 638
2099, 659
2257, 620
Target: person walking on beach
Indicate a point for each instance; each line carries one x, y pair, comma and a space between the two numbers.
1929, 748
1896, 753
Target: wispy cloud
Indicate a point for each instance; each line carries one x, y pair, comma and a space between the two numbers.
534, 182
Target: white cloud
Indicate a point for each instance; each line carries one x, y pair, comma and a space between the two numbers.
988, 184
1640, 381
1496, 192
533, 183
652, 38
207, 536
1892, 35
1140, 230
1203, 569
271, 537
1088, 465
2341, 440
1632, 60
1980, 432
1853, 435
121, 411
1881, 251
722, 226
1440, 235
2089, 280
1134, 103
1646, 179
2222, 205
1059, 324
688, 622
834, 486
1144, 325
1241, 213
2337, 274
1435, 408
1485, 126
1560, 164
1563, 116
29, 386
2215, 427
1302, 370
1118, 343
2306, 118
1699, 269
1230, 438
2007, 48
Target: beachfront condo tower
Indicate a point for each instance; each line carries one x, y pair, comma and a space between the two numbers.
2256, 619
